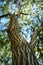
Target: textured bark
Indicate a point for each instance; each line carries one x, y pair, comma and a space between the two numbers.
22, 54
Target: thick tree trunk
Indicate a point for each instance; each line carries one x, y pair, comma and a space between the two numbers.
22, 54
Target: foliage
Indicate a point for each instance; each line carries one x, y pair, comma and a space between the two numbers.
28, 24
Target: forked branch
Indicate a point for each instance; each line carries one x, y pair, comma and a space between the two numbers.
36, 32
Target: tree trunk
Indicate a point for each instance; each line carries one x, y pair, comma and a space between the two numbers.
22, 54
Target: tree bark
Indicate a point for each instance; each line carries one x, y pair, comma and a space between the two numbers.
22, 51
22, 54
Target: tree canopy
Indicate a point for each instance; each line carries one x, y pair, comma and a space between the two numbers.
30, 16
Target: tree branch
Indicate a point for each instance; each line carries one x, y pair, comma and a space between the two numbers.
23, 13
35, 34
4, 15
